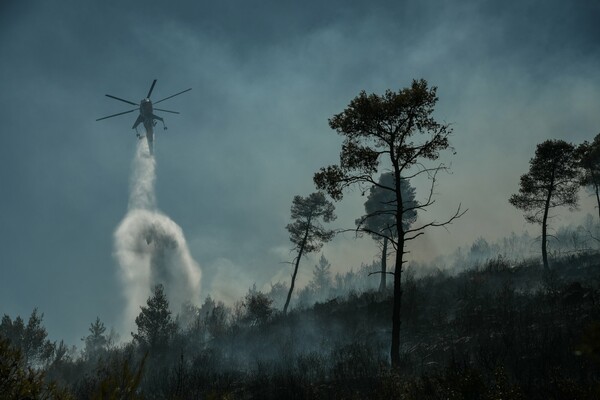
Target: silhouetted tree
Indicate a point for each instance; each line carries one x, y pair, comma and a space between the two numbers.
396, 129
590, 163
118, 378
31, 339
306, 232
258, 307
155, 326
380, 215
96, 342
321, 280
17, 381
552, 181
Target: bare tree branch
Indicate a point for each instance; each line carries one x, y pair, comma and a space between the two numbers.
456, 215
380, 272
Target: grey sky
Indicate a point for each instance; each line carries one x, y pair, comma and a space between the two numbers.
266, 76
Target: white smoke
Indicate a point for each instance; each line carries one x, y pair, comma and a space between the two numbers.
150, 248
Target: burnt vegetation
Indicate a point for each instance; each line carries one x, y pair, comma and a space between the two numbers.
496, 330
494, 320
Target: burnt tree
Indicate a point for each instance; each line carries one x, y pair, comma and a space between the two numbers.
394, 131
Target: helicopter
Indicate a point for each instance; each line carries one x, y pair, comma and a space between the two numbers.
147, 116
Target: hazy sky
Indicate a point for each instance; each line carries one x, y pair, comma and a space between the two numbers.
266, 76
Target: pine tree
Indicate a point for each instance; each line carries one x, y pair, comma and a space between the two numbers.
552, 181
155, 325
393, 131
590, 163
307, 232
96, 342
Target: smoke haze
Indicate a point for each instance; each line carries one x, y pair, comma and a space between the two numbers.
150, 248
266, 78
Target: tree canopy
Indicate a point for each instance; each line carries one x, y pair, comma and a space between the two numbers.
395, 131
155, 326
552, 181
589, 154
306, 231
97, 341
30, 339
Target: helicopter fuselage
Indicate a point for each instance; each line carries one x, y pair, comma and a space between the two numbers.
146, 116
149, 120
147, 113
146, 109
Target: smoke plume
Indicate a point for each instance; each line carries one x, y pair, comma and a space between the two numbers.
150, 248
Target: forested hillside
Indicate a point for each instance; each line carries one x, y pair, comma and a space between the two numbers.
496, 330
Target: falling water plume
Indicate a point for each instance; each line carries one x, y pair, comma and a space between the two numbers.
150, 248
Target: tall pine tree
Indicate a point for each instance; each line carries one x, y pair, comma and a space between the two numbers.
552, 181
155, 326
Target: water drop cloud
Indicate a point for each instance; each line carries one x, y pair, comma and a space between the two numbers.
150, 248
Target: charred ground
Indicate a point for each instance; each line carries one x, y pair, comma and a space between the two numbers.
496, 330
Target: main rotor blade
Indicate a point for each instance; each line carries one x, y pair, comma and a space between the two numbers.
151, 88
123, 100
115, 115
176, 94
160, 109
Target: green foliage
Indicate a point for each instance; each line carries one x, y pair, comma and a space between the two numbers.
552, 181
155, 324
395, 131
115, 379
31, 339
18, 381
258, 307
589, 154
96, 342
306, 231
384, 128
590, 162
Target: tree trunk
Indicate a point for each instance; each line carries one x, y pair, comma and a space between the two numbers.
395, 350
300, 251
597, 198
397, 302
383, 283
289, 296
544, 231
